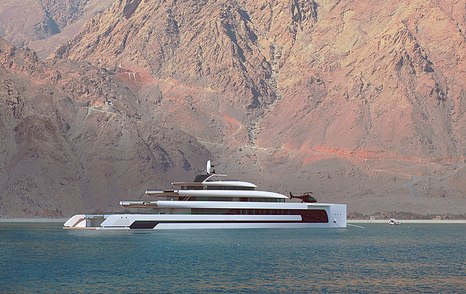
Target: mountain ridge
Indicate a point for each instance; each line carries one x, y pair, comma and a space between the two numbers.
363, 101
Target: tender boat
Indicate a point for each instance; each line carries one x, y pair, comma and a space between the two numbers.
394, 221
209, 202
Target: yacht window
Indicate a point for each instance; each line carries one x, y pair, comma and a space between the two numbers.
307, 216
242, 199
229, 188
209, 199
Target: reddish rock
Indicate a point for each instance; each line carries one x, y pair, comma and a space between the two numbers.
362, 102
64, 149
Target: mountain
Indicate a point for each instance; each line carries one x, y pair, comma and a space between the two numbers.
44, 24
363, 103
65, 147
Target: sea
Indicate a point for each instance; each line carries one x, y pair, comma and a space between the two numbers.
372, 258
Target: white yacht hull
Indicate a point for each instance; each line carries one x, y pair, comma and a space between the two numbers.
336, 219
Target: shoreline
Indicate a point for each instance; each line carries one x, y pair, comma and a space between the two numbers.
33, 220
408, 221
350, 221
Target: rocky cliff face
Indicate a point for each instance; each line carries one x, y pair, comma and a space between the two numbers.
210, 45
64, 148
43, 24
361, 102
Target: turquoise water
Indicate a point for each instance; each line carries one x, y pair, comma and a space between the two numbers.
380, 258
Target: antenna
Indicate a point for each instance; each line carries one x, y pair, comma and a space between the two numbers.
209, 167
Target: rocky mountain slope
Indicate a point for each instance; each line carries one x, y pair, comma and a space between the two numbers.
64, 148
44, 24
363, 103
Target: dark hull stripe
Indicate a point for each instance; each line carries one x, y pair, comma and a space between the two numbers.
153, 224
307, 216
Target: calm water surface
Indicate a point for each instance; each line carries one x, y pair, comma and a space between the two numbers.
428, 258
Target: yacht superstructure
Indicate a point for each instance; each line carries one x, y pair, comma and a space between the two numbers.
212, 203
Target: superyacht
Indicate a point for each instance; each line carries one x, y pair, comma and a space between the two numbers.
213, 202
